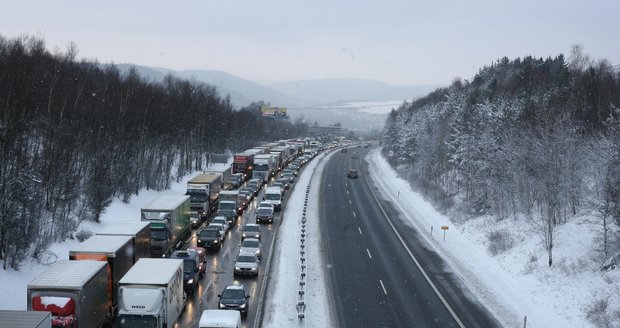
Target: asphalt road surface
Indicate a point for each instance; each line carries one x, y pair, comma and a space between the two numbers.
374, 278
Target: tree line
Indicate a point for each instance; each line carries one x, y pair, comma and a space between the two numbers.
527, 138
76, 134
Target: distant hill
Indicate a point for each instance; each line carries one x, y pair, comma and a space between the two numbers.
242, 92
329, 91
306, 98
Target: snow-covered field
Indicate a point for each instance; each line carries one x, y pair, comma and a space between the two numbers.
513, 284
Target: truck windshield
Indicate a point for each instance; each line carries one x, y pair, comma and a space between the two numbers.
189, 265
197, 198
273, 196
137, 321
159, 234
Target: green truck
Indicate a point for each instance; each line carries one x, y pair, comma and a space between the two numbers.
169, 220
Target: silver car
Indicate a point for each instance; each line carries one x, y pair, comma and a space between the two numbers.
250, 230
251, 245
246, 264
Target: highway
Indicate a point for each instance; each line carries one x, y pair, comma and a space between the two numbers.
220, 268
374, 278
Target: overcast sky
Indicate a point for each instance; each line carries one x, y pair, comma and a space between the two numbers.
396, 41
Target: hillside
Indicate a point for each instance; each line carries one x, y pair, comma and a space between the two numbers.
529, 154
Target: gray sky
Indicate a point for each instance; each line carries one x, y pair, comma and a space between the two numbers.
395, 41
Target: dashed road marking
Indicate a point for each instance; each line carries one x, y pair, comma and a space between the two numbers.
368, 251
383, 286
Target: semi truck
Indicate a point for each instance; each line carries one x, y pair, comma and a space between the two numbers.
225, 170
204, 190
25, 319
75, 292
264, 167
243, 163
230, 196
169, 219
116, 251
139, 231
151, 294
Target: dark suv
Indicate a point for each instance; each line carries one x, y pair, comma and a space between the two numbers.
234, 297
191, 268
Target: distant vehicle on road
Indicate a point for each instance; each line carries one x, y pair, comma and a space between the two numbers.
250, 230
264, 214
352, 174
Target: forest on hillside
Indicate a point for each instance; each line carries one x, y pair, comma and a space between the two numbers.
76, 134
527, 138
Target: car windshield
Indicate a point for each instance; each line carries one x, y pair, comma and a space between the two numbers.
208, 233
250, 243
227, 206
264, 211
251, 228
233, 294
246, 258
220, 221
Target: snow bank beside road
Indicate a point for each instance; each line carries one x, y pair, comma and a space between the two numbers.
516, 283
282, 290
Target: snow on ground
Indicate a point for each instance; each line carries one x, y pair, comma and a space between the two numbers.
518, 282
512, 285
282, 296
13, 283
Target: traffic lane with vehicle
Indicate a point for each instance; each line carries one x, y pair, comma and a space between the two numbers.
220, 267
364, 251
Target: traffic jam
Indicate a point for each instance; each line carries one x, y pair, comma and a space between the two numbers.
189, 260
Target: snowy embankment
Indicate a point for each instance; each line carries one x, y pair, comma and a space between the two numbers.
518, 282
281, 303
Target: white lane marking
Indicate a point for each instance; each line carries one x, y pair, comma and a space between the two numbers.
354, 214
347, 192
415, 260
368, 251
359, 229
350, 202
383, 286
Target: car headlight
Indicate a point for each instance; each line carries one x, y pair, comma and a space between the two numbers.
238, 268
221, 306
242, 306
244, 235
191, 281
253, 269
215, 241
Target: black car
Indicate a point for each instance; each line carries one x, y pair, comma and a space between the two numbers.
352, 174
264, 214
234, 297
191, 268
210, 238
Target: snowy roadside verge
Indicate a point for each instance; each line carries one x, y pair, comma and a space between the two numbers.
282, 292
500, 283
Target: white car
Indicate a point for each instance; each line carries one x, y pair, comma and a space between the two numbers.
251, 245
266, 204
246, 264
222, 220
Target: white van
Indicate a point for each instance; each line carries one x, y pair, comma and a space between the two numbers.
273, 195
220, 319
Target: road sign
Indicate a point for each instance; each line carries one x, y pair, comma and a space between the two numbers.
444, 227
